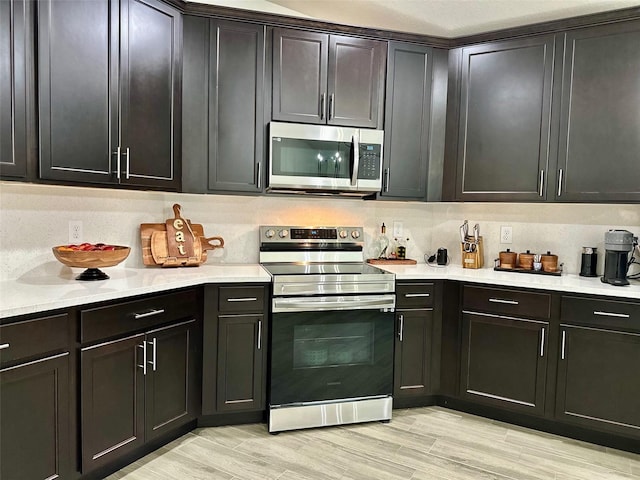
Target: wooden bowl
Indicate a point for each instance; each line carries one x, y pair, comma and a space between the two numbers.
92, 259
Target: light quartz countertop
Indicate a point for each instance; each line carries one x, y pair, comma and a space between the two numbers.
55, 291
566, 282
50, 292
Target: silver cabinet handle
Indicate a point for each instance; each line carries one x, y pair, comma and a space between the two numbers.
401, 330
508, 302
560, 182
128, 154
411, 295
322, 106
259, 182
242, 299
144, 357
153, 354
386, 181
564, 340
138, 316
332, 106
540, 189
117, 154
542, 343
611, 314
259, 334
3, 346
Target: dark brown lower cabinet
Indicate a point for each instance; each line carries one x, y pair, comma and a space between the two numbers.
34, 414
598, 380
414, 336
241, 362
136, 389
504, 361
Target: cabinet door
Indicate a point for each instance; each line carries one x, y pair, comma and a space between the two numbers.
112, 400
241, 362
504, 362
598, 382
300, 76
236, 111
171, 393
77, 86
412, 369
356, 82
34, 413
407, 121
599, 122
150, 63
15, 77
505, 107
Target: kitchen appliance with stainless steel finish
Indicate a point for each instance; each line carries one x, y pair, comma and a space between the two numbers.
324, 159
332, 328
617, 244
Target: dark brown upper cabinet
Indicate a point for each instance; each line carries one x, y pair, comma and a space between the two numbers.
16, 81
503, 139
327, 79
599, 143
109, 83
224, 124
414, 122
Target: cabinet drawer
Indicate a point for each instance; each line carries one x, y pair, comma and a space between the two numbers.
241, 299
601, 313
122, 318
34, 337
507, 302
414, 295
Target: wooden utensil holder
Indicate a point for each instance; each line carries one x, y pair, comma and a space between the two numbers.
473, 259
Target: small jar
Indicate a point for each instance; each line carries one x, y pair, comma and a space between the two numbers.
525, 260
508, 259
550, 262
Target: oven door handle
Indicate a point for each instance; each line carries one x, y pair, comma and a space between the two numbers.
317, 304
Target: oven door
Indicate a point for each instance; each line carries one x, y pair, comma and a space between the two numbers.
331, 348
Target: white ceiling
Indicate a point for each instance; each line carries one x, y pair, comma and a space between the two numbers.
440, 18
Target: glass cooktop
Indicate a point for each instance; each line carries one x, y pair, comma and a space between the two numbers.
323, 269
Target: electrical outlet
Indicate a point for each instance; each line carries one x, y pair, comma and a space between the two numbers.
75, 231
397, 229
506, 234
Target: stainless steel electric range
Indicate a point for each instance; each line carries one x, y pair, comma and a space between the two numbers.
332, 328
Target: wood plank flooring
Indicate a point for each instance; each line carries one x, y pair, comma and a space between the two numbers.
429, 443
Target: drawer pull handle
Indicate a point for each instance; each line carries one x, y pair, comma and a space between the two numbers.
3, 346
500, 300
242, 299
611, 314
411, 295
138, 316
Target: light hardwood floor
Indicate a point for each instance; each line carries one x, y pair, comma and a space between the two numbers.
429, 443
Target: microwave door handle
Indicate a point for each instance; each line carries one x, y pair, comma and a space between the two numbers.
356, 160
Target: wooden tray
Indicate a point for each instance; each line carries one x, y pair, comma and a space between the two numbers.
391, 261
557, 273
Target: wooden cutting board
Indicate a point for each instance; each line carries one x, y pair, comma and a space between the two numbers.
391, 261
146, 232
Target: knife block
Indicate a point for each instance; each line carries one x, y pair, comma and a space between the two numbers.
473, 259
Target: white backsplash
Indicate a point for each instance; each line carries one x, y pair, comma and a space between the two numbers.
33, 218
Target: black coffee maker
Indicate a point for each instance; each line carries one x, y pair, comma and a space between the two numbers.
617, 244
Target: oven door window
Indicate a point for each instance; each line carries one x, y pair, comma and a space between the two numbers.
330, 355
294, 157
325, 345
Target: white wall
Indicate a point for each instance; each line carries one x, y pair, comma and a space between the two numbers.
33, 218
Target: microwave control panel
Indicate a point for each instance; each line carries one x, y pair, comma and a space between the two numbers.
369, 165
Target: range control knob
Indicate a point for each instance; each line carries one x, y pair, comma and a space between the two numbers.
283, 233
355, 234
270, 233
343, 234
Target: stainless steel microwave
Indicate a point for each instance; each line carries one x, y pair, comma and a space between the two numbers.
324, 159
